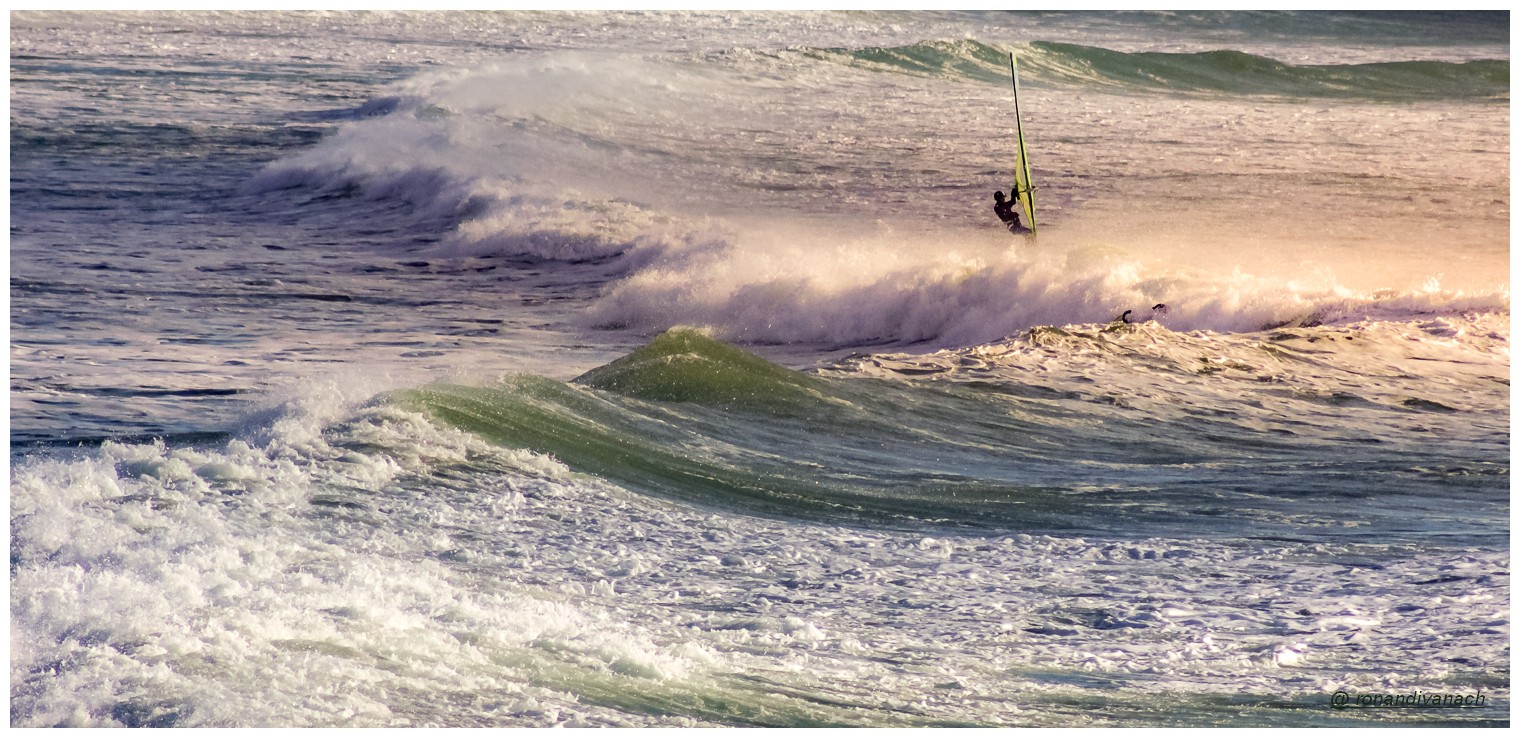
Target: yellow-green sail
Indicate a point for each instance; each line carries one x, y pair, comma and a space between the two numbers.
1023, 185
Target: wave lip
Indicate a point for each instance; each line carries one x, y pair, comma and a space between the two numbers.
683, 365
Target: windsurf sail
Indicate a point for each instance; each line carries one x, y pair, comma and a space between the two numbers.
1023, 185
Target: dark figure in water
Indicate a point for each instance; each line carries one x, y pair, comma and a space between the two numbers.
1157, 309
1007, 211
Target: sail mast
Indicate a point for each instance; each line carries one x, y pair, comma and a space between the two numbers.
1023, 184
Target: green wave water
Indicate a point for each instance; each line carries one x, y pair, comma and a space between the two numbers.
692, 419
1225, 72
696, 420
686, 366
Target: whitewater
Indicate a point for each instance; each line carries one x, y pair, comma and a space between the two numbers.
532, 369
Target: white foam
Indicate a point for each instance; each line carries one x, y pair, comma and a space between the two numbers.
540, 599
810, 287
264, 584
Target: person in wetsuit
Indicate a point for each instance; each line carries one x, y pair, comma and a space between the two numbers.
1008, 212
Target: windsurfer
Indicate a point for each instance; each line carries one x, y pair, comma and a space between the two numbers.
1007, 213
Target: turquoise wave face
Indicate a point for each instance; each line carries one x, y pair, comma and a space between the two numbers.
1224, 72
694, 420
686, 366
1239, 73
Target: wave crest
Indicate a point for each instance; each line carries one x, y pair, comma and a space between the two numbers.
873, 291
1221, 71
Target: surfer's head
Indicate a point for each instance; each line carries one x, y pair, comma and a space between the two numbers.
998, 195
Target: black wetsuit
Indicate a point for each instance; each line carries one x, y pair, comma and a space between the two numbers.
1010, 217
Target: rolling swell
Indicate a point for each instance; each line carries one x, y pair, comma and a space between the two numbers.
1225, 71
1235, 72
689, 419
678, 434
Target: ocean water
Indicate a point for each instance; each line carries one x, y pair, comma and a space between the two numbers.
670, 369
